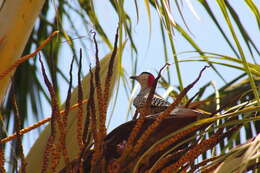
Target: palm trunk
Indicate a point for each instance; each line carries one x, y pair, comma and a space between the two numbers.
17, 19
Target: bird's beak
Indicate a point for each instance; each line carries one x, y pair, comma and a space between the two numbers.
133, 77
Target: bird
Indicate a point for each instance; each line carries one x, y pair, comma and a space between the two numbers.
158, 104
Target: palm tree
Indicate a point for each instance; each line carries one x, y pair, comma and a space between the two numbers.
219, 130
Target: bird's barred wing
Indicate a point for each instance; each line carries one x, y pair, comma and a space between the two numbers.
158, 101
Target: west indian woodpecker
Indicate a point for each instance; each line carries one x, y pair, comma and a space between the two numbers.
146, 81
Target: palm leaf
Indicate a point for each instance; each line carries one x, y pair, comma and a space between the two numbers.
35, 155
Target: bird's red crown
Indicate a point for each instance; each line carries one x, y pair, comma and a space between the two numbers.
151, 80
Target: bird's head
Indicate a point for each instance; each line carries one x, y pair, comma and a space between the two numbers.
145, 79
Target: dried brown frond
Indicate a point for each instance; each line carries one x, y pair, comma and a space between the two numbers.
107, 88
48, 150
67, 103
91, 106
26, 57
86, 131
131, 138
102, 98
90, 127
91, 112
165, 160
99, 93
199, 149
2, 159
17, 128
101, 117
94, 128
110, 72
80, 108
171, 140
39, 123
187, 105
55, 159
51, 147
65, 116
51, 139
204, 162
